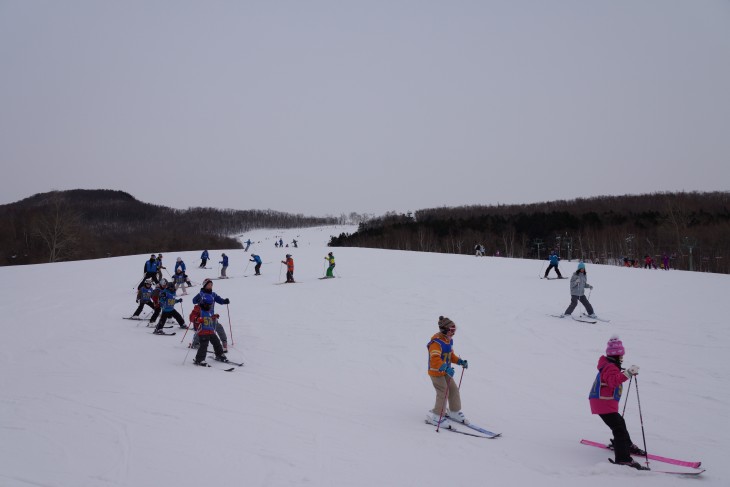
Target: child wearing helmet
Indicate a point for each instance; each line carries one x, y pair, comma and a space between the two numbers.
605, 396
168, 300
440, 358
144, 297
206, 293
578, 285
205, 326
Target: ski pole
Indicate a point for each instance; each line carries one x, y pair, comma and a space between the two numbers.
462, 376
626, 401
641, 419
541, 268
247, 264
230, 329
324, 264
188, 352
280, 266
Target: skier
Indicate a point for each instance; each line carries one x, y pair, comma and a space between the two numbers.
181, 279
604, 400
257, 259
554, 259
665, 261
205, 326
205, 292
289, 268
248, 244
578, 284
168, 300
331, 259
440, 358
224, 263
295, 243
281, 242
156, 299
179, 264
150, 271
203, 259
159, 266
144, 297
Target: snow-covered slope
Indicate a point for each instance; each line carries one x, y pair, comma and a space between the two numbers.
335, 389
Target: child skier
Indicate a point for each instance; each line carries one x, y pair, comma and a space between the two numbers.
181, 279
207, 292
554, 259
257, 259
224, 263
168, 300
440, 358
289, 268
605, 396
203, 259
331, 259
205, 326
578, 285
144, 297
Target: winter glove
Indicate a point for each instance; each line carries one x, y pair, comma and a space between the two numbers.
226, 301
633, 370
138, 300
179, 300
590, 286
215, 317
446, 368
463, 363
450, 371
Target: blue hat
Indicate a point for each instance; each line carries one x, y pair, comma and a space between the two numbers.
581, 265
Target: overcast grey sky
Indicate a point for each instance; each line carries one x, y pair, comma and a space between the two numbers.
323, 107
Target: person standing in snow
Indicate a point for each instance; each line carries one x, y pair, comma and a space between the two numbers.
578, 285
224, 264
440, 358
331, 259
159, 266
150, 271
144, 297
257, 259
605, 396
204, 259
554, 259
168, 300
205, 325
207, 292
181, 279
289, 268
179, 264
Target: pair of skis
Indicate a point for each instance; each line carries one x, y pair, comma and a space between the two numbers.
672, 461
456, 427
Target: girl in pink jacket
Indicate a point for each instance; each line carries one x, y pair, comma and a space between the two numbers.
605, 396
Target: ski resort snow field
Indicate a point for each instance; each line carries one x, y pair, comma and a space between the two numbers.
334, 390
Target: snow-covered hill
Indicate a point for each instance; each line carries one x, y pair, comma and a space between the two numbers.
335, 389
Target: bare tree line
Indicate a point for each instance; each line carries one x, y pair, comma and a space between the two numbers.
84, 224
692, 229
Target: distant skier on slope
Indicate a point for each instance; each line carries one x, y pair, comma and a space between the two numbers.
331, 259
144, 297
248, 244
440, 358
605, 396
554, 259
204, 259
578, 285
224, 265
181, 280
150, 271
257, 259
289, 268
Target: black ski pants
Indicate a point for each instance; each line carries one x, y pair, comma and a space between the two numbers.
257, 269
141, 306
170, 314
557, 271
621, 439
574, 303
203, 348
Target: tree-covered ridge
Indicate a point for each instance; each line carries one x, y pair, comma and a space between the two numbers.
86, 224
602, 229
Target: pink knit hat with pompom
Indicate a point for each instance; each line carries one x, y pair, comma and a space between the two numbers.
615, 347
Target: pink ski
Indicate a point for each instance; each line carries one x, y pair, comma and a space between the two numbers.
657, 458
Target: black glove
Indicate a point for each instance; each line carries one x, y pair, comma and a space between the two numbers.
226, 301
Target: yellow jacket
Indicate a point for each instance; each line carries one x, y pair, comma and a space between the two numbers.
440, 352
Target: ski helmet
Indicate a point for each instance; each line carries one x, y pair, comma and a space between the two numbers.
207, 281
171, 285
163, 282
148, 282
446, 324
